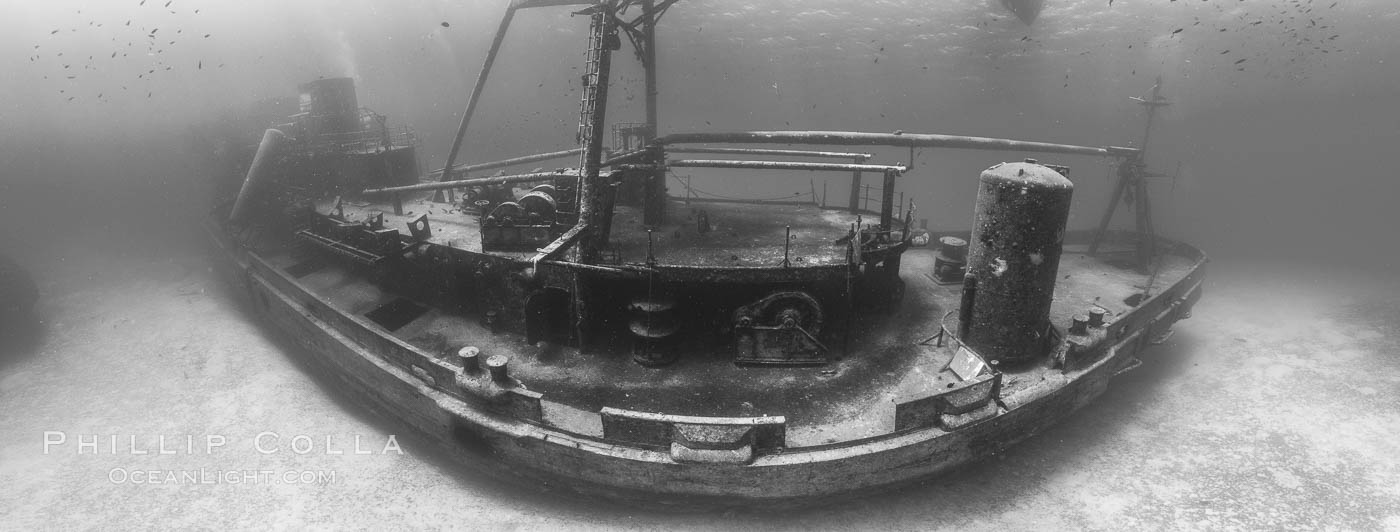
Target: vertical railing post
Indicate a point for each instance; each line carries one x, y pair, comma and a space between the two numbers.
887, 202
854, 204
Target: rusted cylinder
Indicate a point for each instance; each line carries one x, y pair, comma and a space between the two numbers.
1017, 233
259, 174
470, 357
496, 365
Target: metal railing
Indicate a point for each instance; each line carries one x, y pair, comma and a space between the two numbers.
365, 140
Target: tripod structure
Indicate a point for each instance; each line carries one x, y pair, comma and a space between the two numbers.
1132, 188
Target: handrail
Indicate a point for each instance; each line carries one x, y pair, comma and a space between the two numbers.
910, 140
785, 165
857, 157
498, 180
510, 162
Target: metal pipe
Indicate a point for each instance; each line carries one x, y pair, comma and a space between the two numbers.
887, 202
627, 158
476, 91
654, 189
510, 162
480, 181
854, 138
854, 204
783, 165
649, 63
858, 157
969, 298
527, 4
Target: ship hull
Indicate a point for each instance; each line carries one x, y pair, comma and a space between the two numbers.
351, 352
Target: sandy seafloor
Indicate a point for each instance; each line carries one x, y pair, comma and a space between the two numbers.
1274, 407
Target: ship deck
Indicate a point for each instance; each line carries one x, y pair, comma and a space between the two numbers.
889, 360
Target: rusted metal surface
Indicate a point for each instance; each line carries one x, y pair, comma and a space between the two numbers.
913, 140
781, 330
515, 437
1017, 235
592, 191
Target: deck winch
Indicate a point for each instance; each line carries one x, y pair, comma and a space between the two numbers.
1018, 228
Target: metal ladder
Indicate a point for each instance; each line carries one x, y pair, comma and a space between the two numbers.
588, 104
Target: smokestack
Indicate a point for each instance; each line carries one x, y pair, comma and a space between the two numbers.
1017, 233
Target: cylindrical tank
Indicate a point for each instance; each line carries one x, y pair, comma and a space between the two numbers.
259, 174
330, 105
1017, 233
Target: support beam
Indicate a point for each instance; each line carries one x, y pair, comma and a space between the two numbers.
476, 95
784, 165
854, 138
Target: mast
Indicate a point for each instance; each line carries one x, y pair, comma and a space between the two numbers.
1132, 187
592, 192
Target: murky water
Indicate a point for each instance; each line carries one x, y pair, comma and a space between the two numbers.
1273, 407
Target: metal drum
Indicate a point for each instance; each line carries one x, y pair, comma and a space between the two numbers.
1014, 255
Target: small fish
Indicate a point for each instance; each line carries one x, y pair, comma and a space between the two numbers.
167, 4
206, 36
1225, 52
1178, 30
200, 66
1241, 61
445, 24
143, 2
53, 32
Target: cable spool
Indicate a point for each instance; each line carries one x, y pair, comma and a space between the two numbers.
538, 204
950, 262
506, 214
652, 323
